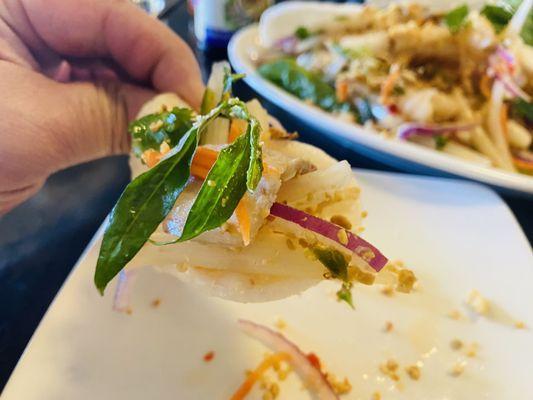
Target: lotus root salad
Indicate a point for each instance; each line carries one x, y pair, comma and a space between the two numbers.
227, 201
459, 81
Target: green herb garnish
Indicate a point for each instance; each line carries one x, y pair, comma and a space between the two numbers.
523, 109
456, 18
500, 14
151, 131
302, 33
440, 141
304, 84
333, 260
148, 199
345, 294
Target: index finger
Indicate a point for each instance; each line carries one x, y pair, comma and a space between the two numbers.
143, 46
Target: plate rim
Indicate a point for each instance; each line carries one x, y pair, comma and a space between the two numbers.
324, 122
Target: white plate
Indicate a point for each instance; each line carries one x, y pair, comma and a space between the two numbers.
403, 155
455, 235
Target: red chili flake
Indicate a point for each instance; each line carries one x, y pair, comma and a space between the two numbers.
393, 108
314, 360
209, 356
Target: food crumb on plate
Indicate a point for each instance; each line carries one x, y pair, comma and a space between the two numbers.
340, 387
389, 327
477, 303
209, 356
376, 396
387, 290
280, 323
472, 350
457, 369
413, 371
520, 325
155, 303
390, 369
455, 314
456, 344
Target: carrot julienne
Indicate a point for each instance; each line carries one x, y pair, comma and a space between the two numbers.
243, 216
256, 374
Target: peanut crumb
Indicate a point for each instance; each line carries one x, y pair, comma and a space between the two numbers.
389, 369
520, 325
290, 244
413, 371
455, 314
342, 236
376, 396
389, 327
164, 148
478, 303
387, 290
472, 350
341, 220
339, 387
155, 303
406, 280
456, 344
271, 391
280, 324
457, 369
360, 229
364, 214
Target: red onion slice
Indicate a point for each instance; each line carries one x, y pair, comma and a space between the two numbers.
313, 378
405, 131
357, 245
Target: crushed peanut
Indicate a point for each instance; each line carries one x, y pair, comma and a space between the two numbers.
413, 371
472, 350
406, 280
342, 236
290, 244
364, 214
339, 387
376, 396
357, 274
520, 325
271, 391
457, 369
164, 148
389, 327
456, 344
280, 324
155, 303
341, 220
477, 303
390, 369
455, 314
387, 290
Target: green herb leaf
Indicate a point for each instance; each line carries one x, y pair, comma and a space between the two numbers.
523, 109
221, 191
302, 33
500, 14
300, 82
145, 202
440, 141
151, 130
345, 294
456, 18
333, 260
229, 80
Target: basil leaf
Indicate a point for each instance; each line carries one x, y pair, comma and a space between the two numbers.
333, 260
498, 15
151, 130
345, 294
304, 84
456, 18
440, 141
523, 109
145, 202
221, 191
229, 80
255, 164
302, 33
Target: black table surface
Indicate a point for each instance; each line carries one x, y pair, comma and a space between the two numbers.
41, 240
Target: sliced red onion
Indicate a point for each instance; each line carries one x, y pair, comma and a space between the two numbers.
121, 300
506, 55
354, 243
512, 88
405, 131
501, 67
287, 44
313, 378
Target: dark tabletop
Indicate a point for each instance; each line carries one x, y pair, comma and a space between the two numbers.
41, 240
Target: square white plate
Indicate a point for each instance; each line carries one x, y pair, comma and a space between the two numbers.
456, 236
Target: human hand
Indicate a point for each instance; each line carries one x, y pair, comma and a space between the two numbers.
72, 74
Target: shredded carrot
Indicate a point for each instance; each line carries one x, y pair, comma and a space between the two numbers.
388, 84
254, 376
341, 90
485, 86
523, 165
243, 216
504, 116
151, 157
237, 128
